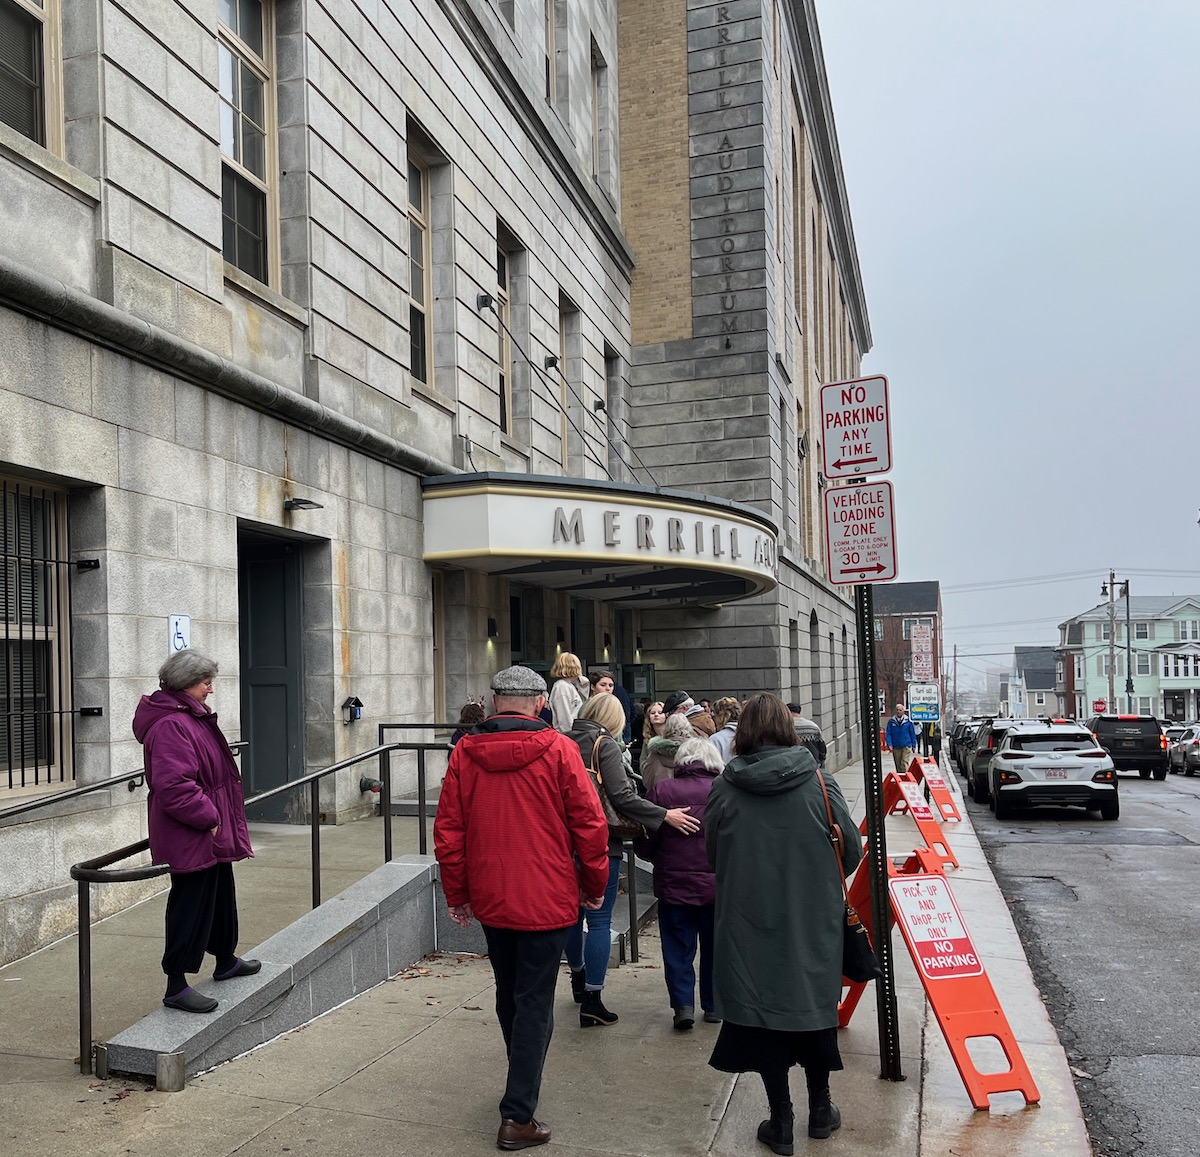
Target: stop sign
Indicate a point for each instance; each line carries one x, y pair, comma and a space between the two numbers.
1099, 706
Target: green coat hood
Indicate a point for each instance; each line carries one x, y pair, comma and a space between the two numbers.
771, 770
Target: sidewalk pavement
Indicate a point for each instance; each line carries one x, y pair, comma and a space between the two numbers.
415, 1066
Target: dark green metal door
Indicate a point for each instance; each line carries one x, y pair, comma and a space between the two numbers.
270, 596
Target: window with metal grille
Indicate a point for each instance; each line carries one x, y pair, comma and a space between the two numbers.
35, 709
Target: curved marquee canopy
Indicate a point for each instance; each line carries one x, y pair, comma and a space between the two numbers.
625, 544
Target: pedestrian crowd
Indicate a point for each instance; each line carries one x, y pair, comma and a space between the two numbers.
728, 802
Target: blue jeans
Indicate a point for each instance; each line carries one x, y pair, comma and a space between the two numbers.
681, 926
591, 952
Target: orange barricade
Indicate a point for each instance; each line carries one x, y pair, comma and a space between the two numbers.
903, 794
927, 770
953, 976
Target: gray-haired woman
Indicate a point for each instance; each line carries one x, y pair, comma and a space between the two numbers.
197, 821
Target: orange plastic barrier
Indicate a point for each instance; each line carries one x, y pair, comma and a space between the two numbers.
901, 794
951, 972
929, 772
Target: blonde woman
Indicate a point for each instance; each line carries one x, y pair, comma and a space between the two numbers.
596, 730
569, 692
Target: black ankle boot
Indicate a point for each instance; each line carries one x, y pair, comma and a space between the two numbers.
776, 1131
823, 1115
578, 984
592, 1012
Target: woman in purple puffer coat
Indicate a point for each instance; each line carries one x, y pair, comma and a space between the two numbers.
197, 820
684, 881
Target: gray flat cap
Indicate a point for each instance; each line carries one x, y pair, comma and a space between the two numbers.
518, 681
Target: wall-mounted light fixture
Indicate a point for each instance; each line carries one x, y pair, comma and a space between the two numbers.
560, 636
607, 639
352, 709
637, 641
493, 628
551, 361
302, 504
484, 301
598, 405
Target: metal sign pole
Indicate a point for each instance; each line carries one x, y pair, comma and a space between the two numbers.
877, 863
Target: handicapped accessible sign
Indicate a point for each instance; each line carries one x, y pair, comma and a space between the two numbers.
179, 632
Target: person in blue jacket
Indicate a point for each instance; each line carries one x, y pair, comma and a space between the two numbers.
901, 738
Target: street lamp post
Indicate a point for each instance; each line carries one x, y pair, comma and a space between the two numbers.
1109, 589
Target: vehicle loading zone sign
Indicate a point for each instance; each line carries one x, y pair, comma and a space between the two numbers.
860, 544
934, 928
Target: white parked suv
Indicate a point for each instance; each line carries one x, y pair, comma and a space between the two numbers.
1052, 763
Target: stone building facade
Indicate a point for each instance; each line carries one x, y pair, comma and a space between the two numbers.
747, 298
281, 282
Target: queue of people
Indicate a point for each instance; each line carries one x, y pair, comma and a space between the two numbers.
744, 873
532, 817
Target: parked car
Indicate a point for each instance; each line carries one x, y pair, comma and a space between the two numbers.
1135, 742
1173, 731
1052, 763
963, 732
1184, 754
979, 754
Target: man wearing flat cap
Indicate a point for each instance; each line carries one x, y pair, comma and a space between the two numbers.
522, 841
678, 703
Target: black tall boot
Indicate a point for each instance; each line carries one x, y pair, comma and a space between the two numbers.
776, 1131
578, 983
823, 1115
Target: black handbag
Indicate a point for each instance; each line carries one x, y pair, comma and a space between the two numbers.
859, 962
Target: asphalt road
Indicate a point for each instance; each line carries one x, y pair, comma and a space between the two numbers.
1108, 916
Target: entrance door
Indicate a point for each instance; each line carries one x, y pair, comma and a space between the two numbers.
269, 602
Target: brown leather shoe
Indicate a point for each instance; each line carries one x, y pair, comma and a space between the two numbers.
514, 1136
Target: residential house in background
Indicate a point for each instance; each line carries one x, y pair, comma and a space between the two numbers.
1032, 684
1161, 650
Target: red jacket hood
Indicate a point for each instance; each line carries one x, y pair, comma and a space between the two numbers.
154, 707
505, 743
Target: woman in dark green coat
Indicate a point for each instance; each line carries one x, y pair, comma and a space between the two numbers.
777, 949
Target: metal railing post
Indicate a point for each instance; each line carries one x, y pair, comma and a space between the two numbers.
314, 803
423, 841
631, 888
85, 977
385, 802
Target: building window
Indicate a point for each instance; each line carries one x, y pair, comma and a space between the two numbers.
878, 628
1141, 630
1058, 672
1143, 705
31, 71
1078, 666
1039, 698
1189, 629
600, 127
508, 11
35, 677
551, 51
1105, 632
420, 289
564, 314
504, 341
908, 624
244, 79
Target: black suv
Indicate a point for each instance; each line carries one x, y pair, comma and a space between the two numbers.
1135, 742
978, 752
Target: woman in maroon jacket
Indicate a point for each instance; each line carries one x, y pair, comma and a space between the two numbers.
197, 820
684, 881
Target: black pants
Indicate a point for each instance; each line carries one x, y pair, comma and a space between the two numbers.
201, 916
525, 965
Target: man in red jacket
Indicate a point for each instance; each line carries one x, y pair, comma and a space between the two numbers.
522, 841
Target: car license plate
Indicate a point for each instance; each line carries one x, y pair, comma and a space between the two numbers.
1056, 773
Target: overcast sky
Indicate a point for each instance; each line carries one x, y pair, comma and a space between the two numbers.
1024, 179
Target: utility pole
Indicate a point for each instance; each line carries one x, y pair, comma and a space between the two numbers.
1128, 653
956, 681
1110, 589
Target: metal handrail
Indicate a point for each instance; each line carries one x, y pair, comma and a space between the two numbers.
98, 871
130, 777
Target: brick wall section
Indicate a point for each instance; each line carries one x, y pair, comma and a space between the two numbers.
654, 164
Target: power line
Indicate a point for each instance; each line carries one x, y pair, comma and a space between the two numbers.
1063, 577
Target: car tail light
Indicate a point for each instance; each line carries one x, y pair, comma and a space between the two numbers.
991, 742
1009, 777
1018, 755
1162, 740
1196, 742
1099, 753
1108, 776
